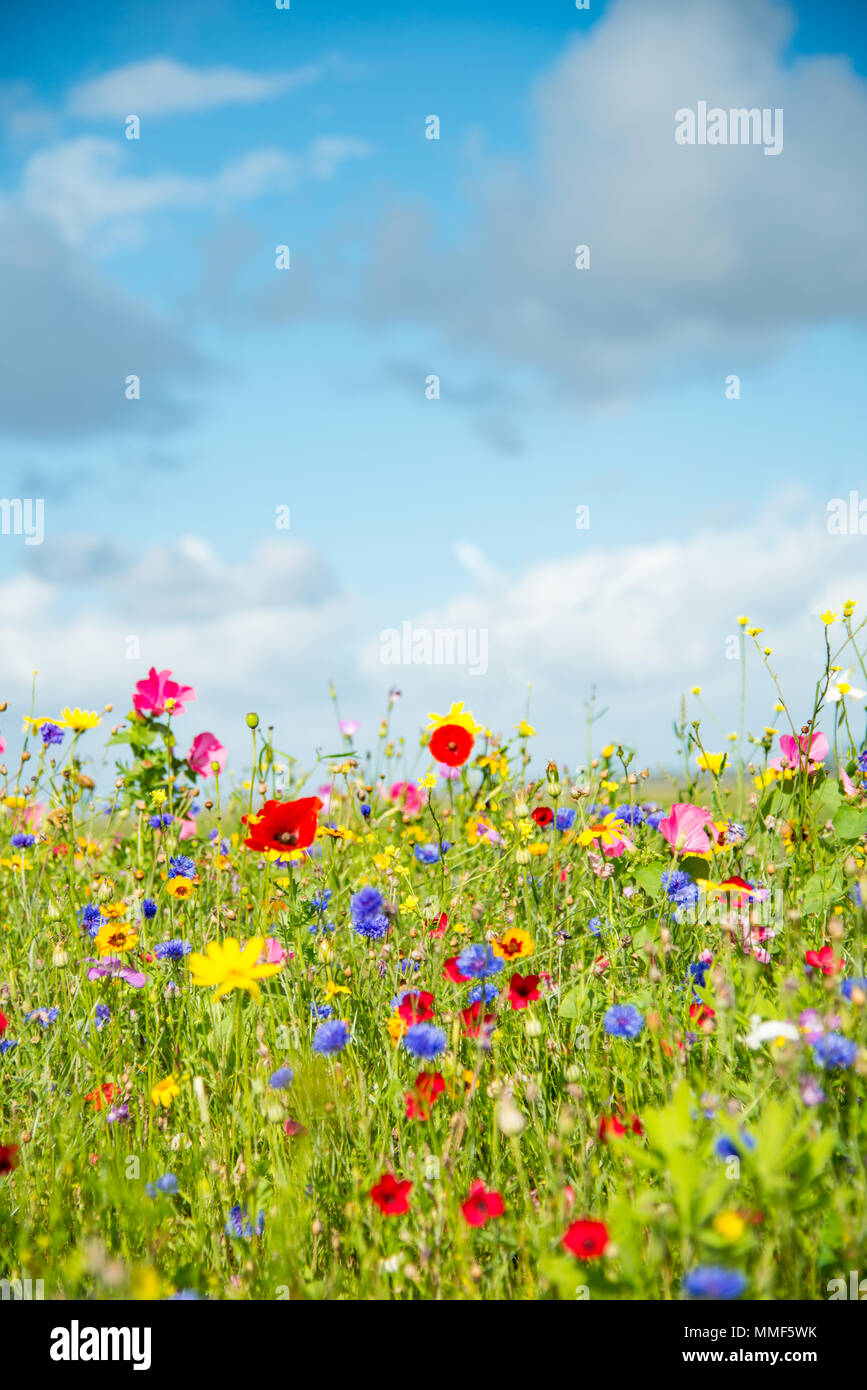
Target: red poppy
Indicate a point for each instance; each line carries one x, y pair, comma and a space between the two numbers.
586, 1239
8, 1157
481, 1205
283, 825
440, 927
428, 1085
543, 815
451, 971
291, 1128
823, 960
475, 1025
103, 1093
523, 990
600, 965
4, 1023
451, 744
391, 1195
610, 1127
415, 1007
699, 1013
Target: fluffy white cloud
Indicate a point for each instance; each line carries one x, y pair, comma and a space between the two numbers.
699, 255
163, 87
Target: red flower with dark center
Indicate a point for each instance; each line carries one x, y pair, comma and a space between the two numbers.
543, 815
823, 960
451, 972
283, 825
391, 1195
415, 1007
8, 1157
451, 744
586, 1239
475, 1024
481, 1205
428, 1085
523, 990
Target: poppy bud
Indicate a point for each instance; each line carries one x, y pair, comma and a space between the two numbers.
252, 721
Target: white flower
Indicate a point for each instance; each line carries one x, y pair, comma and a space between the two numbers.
771, 1031
841, 687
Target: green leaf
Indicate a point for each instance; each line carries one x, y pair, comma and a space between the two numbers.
850, 822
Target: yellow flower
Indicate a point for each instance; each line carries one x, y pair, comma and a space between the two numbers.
608, 832
609, 786
331, 989
396, 1027
113, 911
158, 797
228, 966
711, 762
696, 690
456, 715
742, 622
180, 887
755, 631
608, 750
729, 1225
429, 781
514, 943
495, 763
164, 1091
828, 617
538, 847
766, 778
114, 937
37, 723
78, 719
849, 607
525, 730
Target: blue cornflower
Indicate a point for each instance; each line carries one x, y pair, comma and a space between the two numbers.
160, 822
680, 888
834, 1052
175, 949
862, 760
331, 1037
565, 818
848, 985
281, 1078
43, 1016
239, 1226
652, 818
477, 962
595, 925
148, 909
168, 1183
424, 1040
182, 866
367, 916
724, 1147
7, 1044
321, 900
735, 833
374, 928
488, 992
713, 1281
697, 973
91, 919
51, 735
102, 1014
23, 841
429, 854
321, 1010
632, 815
365, 810
623, 1021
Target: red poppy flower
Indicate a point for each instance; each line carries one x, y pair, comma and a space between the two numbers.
543, 815
292, 1128
451, 972
475, 1025
103, 1093
283, 825
523, 990
451, 744
4, 1023
586, 1239
610, 1127
391, 1195
440, 927
823, 960
8, 1157
699, 1013
428, 1085
481, 1205
415, 1007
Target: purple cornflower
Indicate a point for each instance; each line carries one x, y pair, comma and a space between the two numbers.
623, 1021
331, 1037
425, 1041
478, 962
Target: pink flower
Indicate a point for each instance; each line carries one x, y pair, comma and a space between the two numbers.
2, 744
206, 749
273, 953
188, 829
685, 828
151, 696
409, 796
849, 788
808, 751
349, 727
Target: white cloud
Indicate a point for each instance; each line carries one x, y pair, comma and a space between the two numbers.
81, 185
163, 87
699, 255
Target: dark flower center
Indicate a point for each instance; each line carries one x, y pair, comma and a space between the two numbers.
287, 837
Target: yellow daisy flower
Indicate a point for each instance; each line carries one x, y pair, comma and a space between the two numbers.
228, 966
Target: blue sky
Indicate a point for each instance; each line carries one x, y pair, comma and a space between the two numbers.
305, 387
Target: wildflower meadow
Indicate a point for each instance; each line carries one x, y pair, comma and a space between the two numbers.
436, 1017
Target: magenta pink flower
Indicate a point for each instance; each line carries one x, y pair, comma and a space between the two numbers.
411, 797
188, 829
273, 954
349, 727
808, 750
206, 749
685, 828
151, 696
2, 744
